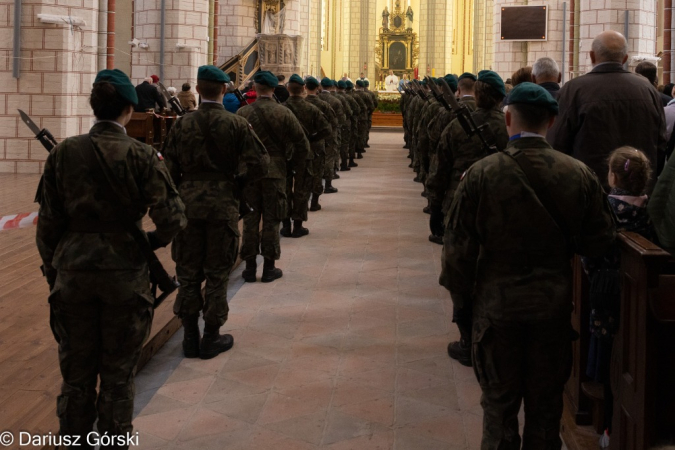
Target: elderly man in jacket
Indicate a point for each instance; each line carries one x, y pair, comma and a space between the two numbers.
607, 108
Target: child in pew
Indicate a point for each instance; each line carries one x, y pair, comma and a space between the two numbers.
629, 174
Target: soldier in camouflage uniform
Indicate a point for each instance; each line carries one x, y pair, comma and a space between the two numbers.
318, 129
510, 236
328, 144
204, 152
285, 141
355, 117
416, 106
376, 103
101, 306
434, 178
360, 95
333, 156
455, 155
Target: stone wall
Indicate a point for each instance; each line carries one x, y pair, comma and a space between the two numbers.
185, 43
58, 67
236, 27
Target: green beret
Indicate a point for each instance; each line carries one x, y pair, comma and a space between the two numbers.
335, 83
467, 75
266, 78
494, 80
312, 83
532, 94
120, 82
424, 82
366, 82
341, 84
212, 73
452, 81
295, 78
327, 82
360, 83
350, 85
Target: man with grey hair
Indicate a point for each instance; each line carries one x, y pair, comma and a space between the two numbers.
545, 73
608, 108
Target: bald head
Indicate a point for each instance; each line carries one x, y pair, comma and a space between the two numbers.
609, 46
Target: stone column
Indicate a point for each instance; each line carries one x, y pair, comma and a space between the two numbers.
58, 67
185, 40
598, 16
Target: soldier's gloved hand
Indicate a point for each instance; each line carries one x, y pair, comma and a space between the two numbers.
155, 242
436, 221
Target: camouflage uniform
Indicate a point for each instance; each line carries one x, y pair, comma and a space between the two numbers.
455, 154
101, 304
427, 113
355, 118
287, 146
327, 144
367, 108
376, 103
207, 248
318, 129
505, 257
416, 105
435, 131
333, 155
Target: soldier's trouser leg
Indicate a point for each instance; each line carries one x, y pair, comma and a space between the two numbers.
318, 164
463, 317
100, 321
268, 199
354, 139
274, 209
521, 361
302, 188
344, 147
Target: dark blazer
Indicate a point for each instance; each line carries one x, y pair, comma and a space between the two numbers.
148, 95
605, 109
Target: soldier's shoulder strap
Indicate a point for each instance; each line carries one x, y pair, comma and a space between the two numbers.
540, 190
271, 135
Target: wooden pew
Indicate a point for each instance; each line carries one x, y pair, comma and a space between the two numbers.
141, 127
643, 366
643, 359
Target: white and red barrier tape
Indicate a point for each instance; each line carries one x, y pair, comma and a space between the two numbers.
14, 221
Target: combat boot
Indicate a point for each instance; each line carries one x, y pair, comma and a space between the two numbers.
249, 272
461, 351
329, 189
314, 206
270, 273
352, 163
191, 336
336, 176
344, 167
359, 155
213, 343
299, 230
285, 228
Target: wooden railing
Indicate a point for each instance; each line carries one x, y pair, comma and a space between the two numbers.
242, 66
643, 357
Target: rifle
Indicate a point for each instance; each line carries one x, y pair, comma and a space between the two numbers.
173, 101
158, 275
466, 120
438, 95
242, 101
420, 90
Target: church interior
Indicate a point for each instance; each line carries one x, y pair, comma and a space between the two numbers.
348, 349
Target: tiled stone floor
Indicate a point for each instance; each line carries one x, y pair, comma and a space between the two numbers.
346, 351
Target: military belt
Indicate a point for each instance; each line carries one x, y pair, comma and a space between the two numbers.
205, 176
99, 226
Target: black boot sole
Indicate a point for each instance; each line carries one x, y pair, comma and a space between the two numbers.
213, 354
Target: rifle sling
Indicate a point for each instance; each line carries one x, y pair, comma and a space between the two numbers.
100, 171
268, 130
540, 190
